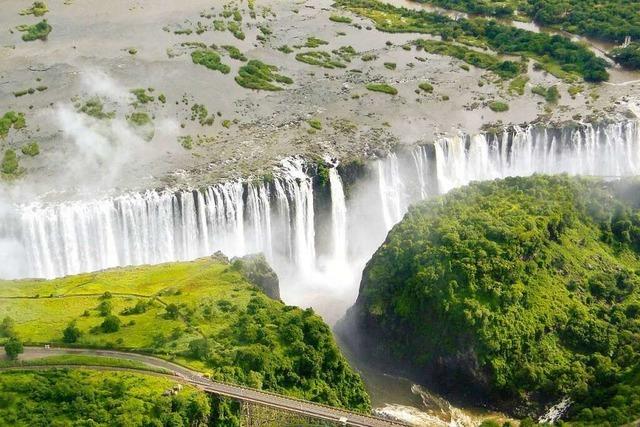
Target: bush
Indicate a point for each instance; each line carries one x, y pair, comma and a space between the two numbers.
10, 165
32, 149
382, 87
13, 347
39, 31
71, 333
426, 87
260, 76
498, 106
110, 324
209, 59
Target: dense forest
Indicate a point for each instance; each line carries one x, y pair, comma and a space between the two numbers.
518, 293
555, 53
92, 398
610, 20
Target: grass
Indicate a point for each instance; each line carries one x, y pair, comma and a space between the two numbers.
212, 302
382, 87
260, 76
209, 59
186, 142
319, 58
517, 85
31, 149
9, 120
235, 53
498, 106
236, 30
39, 31
81, 359
390, 65
39, 8
550, 94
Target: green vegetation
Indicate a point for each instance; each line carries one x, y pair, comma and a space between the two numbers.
10, 165
315, 124
226, 123
610, 20
199, 111
84, 397
9, 120
162, 98
390, 65
13, 347
369, 57
340, 18
320, 58
209, 59
139, 118
505, 69
557, 54
526, 290
235, 53
141, 96
81, 360
260, 76
517, 85
285, 49
313, 42
31, 149
382, 87
95, 108
203, 314
39, 31
426, 87
186, 142
628, 56
550, 94
498, 106
39, 8
235, 29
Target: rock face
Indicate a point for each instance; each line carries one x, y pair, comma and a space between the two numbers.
513, 294
258, 271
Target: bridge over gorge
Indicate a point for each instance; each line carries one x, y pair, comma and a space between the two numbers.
258, 407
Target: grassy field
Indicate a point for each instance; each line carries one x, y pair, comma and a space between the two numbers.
81, 360
203, 314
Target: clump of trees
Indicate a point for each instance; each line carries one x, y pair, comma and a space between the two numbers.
521, 287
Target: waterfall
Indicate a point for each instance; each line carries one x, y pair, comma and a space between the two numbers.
278, 217
338, 218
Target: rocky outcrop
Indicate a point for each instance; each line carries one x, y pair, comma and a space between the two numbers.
257, 270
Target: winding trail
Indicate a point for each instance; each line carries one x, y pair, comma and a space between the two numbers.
246, 394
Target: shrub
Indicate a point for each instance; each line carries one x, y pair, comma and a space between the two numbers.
13, 347
425, 86
382, 87
315, 123
209, 59
31, 149
71, 333
10, 165
341, 19
39, 31
110, 324
498, 106
260, 76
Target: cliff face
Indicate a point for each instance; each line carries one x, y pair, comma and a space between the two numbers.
513, 293
257, 270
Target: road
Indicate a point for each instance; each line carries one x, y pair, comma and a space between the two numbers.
237, 392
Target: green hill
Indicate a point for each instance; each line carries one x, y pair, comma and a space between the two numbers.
203, 314
515, 293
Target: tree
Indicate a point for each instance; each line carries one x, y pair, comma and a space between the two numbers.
13, 348
110, 324
71, 333
104, 308
172, 311
7, 327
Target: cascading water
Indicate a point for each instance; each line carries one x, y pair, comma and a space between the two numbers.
278, 217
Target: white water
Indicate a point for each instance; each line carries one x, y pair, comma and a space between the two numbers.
279, 218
